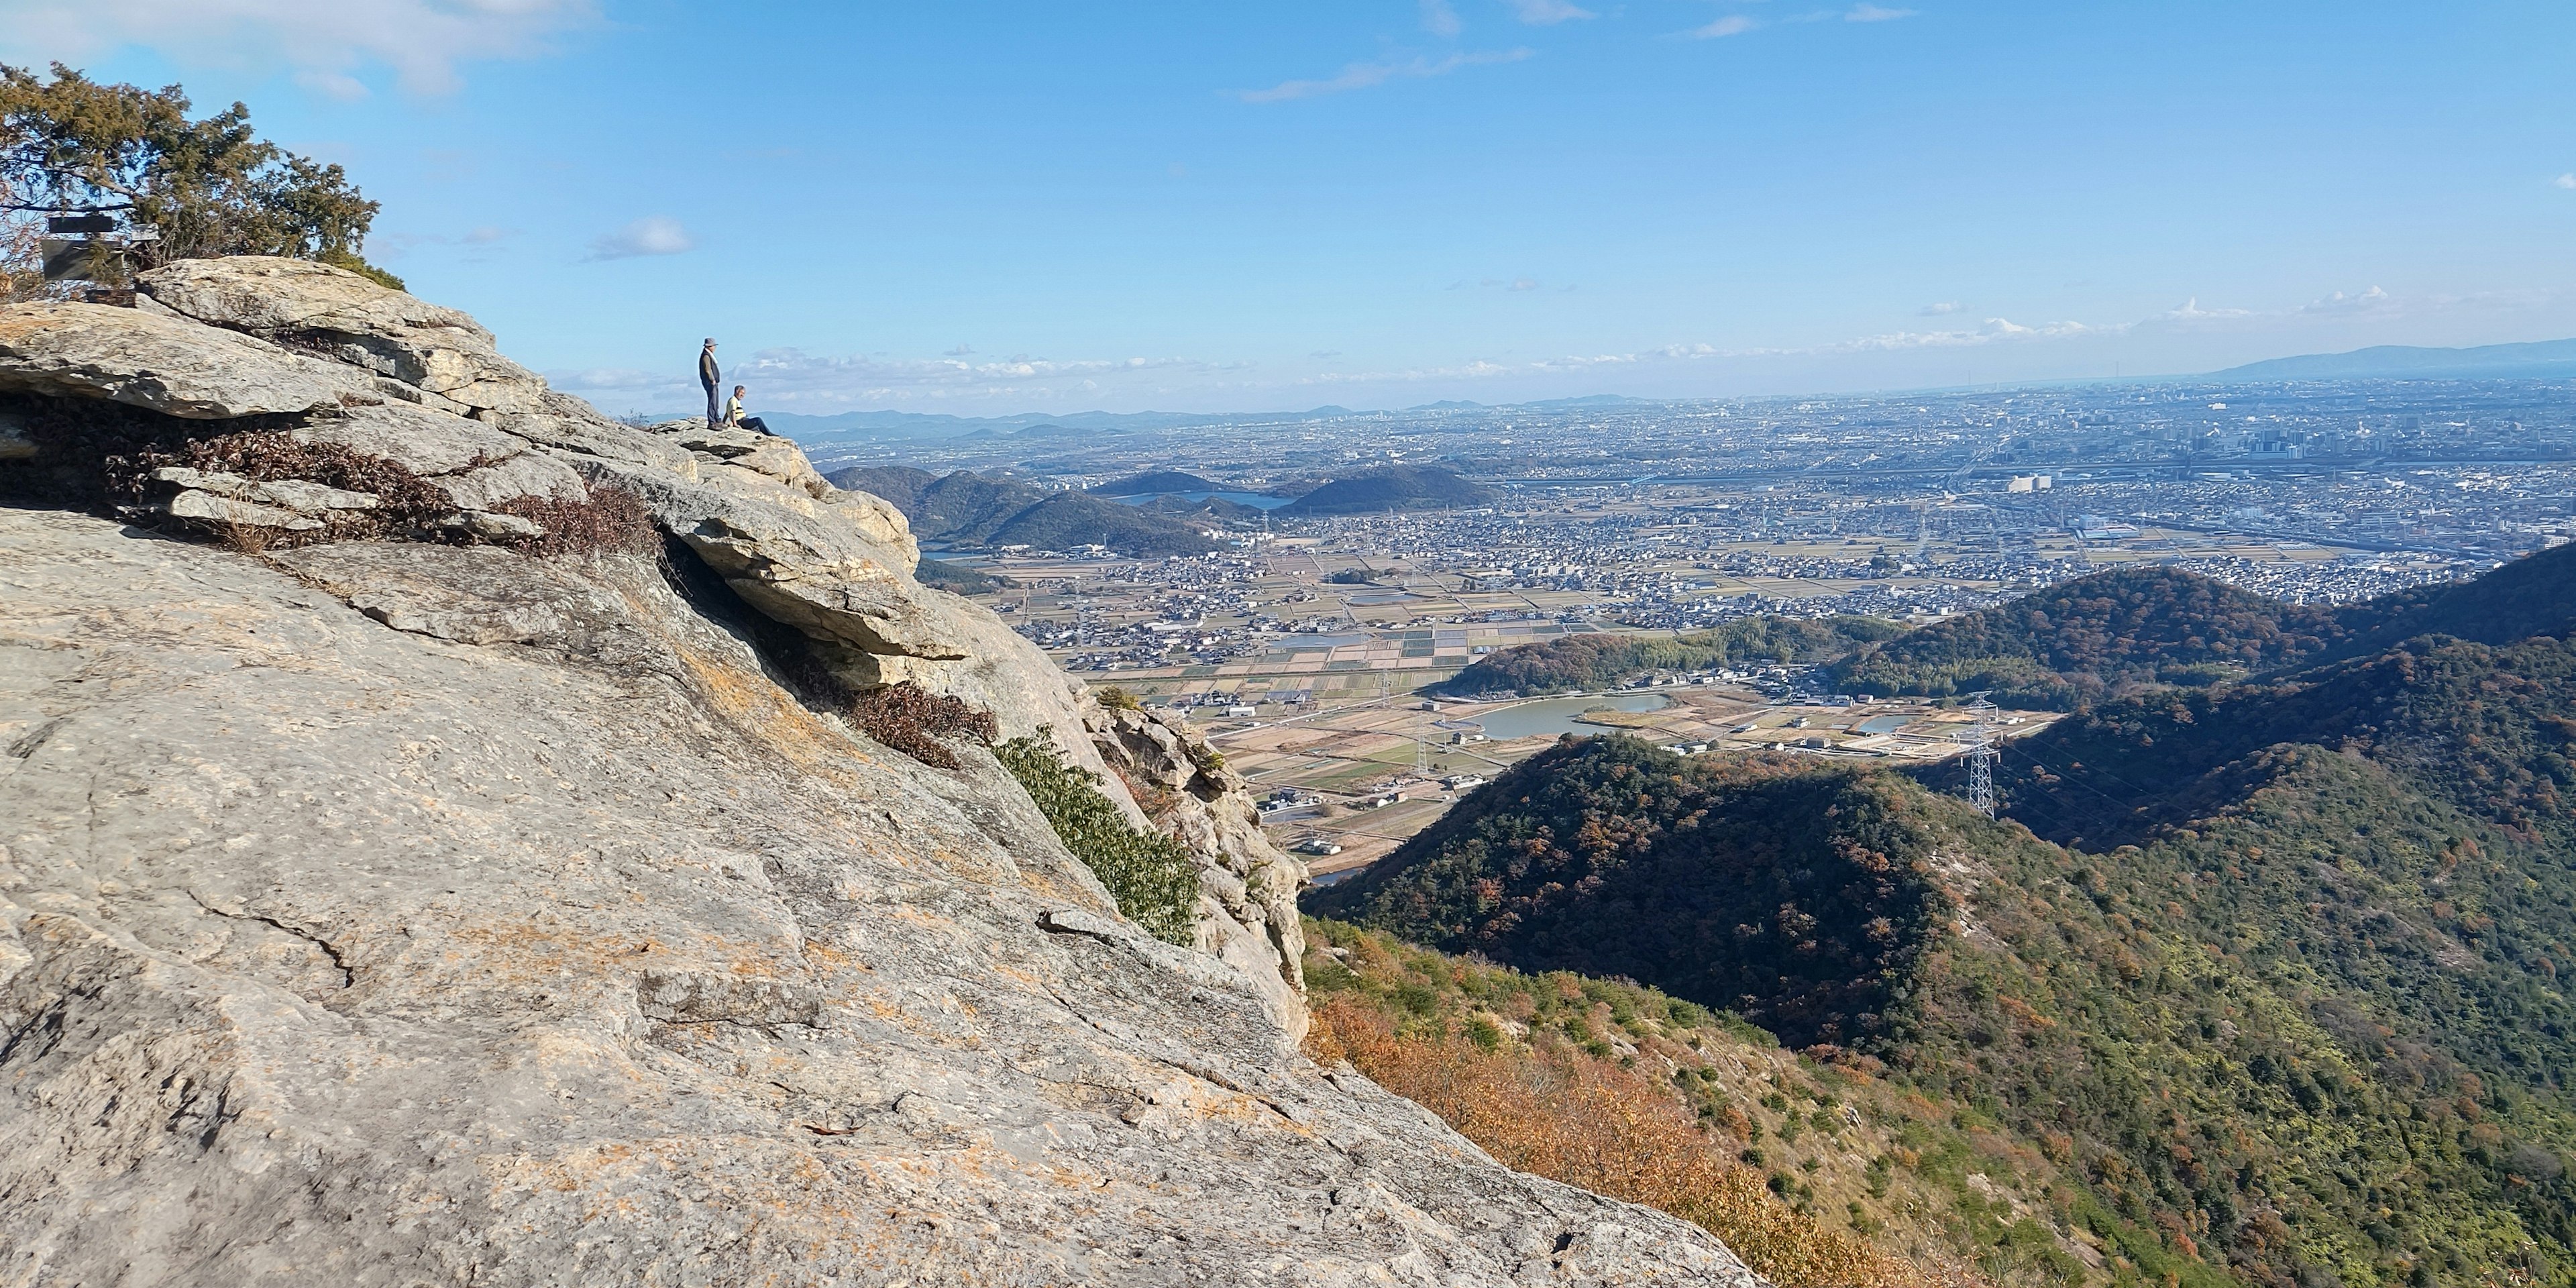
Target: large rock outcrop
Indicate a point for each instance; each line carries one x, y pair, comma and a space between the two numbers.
418, 911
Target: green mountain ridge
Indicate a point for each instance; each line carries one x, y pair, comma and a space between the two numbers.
1390, 487
970, 509
2270, 964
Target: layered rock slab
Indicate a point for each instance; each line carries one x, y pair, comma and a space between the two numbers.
165, 364
513, 928
352, 320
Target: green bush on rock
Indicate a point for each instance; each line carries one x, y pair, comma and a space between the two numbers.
1151, 876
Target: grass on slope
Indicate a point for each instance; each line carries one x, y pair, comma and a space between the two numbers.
1818, 1175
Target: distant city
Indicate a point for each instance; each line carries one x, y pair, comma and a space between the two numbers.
1459, 530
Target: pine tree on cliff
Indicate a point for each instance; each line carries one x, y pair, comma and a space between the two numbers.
181, 188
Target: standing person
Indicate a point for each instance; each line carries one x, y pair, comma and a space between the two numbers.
712, 379
733, 414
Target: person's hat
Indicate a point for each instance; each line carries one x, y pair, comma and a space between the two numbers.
711, 339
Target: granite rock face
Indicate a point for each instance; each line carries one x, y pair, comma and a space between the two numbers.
349, 319
835, 566
166, 365
404, 914
416, 912
1248, 890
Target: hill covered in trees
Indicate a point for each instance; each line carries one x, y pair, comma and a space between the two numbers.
1820, 1174
2112, 634
2268, 969
2230, 1041
1600, 661
966, 508
2073, 642
1390, 487
1155, 483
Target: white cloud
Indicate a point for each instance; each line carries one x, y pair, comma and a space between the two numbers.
1734, 24
1867, 12
1992, 331
791, 378
2190, 311
1439, 19
2339, 304
327, 43
1545, 12
651, 235
1364, 75
2567, 180
1941, 310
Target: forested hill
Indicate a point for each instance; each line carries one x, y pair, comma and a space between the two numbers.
970, 509
1390, 487
2070, 644
2310, 1039
1601, 661
2533, 595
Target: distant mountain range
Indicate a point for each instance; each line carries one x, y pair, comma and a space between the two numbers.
879, 425
2538, 360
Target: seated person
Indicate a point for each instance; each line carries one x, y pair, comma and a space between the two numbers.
733, 414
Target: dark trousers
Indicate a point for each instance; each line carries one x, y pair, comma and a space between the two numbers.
753, 423
715, 408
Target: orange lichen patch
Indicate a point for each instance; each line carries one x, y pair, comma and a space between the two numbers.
822, 957
528, 951
764, 713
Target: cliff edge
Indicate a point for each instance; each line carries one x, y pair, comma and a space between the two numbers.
434, 848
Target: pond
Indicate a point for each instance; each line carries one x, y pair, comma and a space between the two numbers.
1557, 715
1882, 724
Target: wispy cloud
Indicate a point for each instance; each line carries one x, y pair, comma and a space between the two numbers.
792, 378
325, 43
1867, 12
1545, 12
1439, 18
1941, 310
1733, 24
2567, 180
1365, 75
2339, 304
651, 235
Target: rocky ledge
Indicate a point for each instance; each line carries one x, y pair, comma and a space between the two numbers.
433, 850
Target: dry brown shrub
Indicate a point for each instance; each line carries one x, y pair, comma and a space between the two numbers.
911, 719
612, 521
405, 501
1570, 1117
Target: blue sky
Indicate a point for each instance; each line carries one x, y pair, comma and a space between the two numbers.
996, 207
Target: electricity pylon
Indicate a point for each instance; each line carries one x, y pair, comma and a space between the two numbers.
1979, 739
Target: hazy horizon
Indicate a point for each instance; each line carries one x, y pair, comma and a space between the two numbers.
1393, 203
